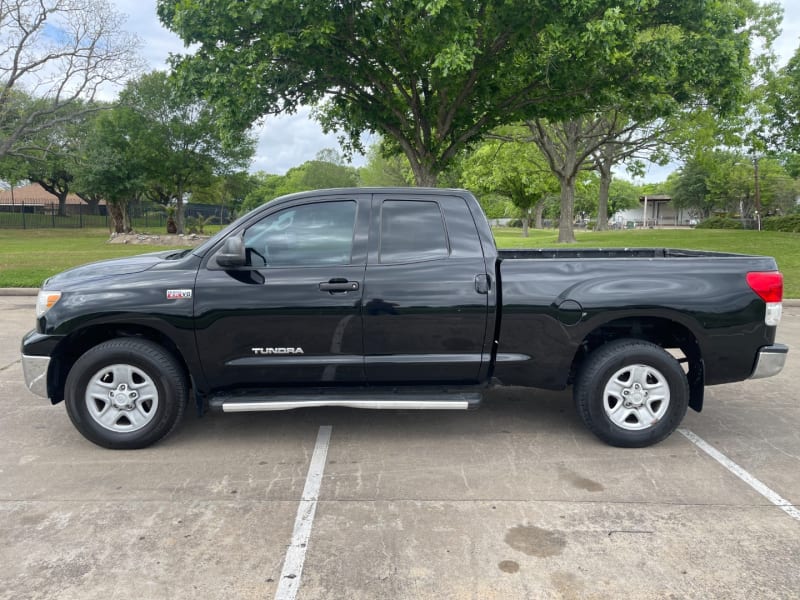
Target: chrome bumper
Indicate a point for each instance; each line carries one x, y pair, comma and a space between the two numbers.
35, 371
770, 361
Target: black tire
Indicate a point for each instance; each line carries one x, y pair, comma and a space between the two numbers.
153, 371
604, 409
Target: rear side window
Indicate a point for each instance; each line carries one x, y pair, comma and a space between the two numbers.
412, 230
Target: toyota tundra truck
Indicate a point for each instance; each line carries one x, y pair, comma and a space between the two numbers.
396, 299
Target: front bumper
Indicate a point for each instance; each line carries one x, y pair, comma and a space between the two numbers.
770, 361
35, 370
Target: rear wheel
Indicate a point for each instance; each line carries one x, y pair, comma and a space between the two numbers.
631, 393
126, 393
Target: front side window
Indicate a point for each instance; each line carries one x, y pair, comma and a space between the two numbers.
306, 235
412, 230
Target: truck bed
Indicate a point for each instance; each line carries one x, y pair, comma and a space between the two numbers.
549, 307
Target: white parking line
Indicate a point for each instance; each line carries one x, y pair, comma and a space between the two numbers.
754, 483
289, 582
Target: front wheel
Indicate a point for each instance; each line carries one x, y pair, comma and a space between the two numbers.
126, 393
631, 393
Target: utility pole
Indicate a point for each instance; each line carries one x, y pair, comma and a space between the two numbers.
757, 184
644, 214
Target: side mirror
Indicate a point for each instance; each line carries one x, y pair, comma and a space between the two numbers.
232, 254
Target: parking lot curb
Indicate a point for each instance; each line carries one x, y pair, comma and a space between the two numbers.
19, 291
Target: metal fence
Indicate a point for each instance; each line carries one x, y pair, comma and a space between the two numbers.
143, 215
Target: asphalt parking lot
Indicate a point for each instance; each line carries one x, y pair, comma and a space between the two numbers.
515, 500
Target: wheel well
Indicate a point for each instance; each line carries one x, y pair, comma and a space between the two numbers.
668, 334
75, 345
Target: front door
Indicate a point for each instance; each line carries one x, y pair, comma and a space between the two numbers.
293, 315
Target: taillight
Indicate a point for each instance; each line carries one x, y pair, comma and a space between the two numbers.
769, 287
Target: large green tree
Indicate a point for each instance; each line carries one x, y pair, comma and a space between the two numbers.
178, 140
568, 146
112, 165
53, 158
516, 170
434, 76
722, 181
785, 100
628, 142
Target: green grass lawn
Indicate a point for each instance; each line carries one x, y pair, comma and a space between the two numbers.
30, 256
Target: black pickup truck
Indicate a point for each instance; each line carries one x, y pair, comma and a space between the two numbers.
396, 299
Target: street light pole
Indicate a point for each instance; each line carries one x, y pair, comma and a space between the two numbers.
644, 220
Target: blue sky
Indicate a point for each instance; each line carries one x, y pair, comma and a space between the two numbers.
287, 141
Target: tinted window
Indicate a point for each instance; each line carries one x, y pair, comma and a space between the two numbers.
411, 230
311, 234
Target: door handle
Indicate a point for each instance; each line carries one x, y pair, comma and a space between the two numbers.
483, 283
338, 285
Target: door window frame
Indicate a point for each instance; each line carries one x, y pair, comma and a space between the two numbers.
374, 258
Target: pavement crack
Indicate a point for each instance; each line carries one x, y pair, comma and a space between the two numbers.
9, 365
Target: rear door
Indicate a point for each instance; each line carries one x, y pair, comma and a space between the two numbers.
293, 315
425, 311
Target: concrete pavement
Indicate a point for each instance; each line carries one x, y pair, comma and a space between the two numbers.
515, 500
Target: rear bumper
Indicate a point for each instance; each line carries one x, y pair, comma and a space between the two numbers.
35, 370
770, 361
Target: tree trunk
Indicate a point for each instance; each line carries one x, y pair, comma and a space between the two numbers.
120, 218
117, 217
53, 187
539, 211
566, 231
62, 204
126, 218
602, 206
424, 175
526, 222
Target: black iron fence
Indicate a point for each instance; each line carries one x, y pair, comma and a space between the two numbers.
144, 216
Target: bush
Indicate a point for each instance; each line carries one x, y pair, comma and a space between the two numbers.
720, 223
515, 223
789, 224
198, 224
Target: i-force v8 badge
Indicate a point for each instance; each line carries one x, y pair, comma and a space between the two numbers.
178, 294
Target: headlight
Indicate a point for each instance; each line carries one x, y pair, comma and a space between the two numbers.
45, 301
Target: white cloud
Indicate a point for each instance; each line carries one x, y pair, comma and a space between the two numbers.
157, 41
290, 140
786, 45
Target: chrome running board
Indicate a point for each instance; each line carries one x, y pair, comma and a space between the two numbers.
255, 402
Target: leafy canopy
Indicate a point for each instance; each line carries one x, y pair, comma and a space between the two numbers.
785, 100
433, 76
